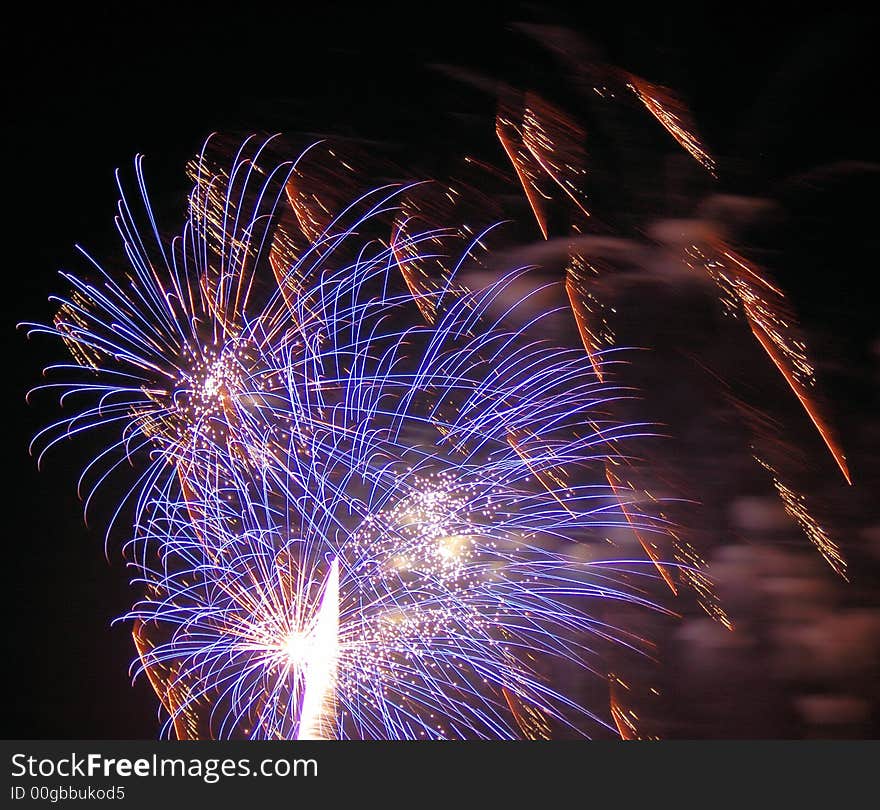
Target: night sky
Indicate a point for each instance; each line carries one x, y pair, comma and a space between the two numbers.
774, 98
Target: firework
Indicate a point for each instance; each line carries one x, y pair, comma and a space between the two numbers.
546, 149
428, 619
374, 500
370, 501
167, 349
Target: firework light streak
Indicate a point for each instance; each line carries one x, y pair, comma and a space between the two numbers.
505, 129
316, 652
745, 289
624, 719
576, 298
673, 117
768, 345
552, 145
555, 143
796, 508
650, 549
442, 603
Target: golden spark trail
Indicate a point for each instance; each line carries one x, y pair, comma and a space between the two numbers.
542, 147
766, 343
671, 119
626, 728
532, 723
581, 320
521, 174
423, 302
184, 723
614, 482
796, 508
517, 448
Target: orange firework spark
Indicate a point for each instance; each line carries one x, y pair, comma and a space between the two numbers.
650, 548
796, 508
746, 289
623, 718
546, 476
692, 570
303, 207
406, 256
808, 406
556, 143
576, 297
526, 174
531, 722
166, 684
674, 117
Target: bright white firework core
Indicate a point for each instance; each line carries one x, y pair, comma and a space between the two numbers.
212, 384
297, 648
316, 654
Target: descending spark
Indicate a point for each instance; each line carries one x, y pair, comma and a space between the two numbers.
624, 719
546, 148
769, 346
556, 143
167, 688
406, 255
650, 548
551, 139
692, 568
548, 479
533, 724
795, 506
578, 308
673, 116
527, 176
745, 289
